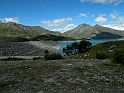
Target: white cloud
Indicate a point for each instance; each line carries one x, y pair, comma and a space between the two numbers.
101, 20
114, 27
92, 15
116, 22
81, 15
101, 15
6, 20
115, 2
56, 22
66, 28
61, 25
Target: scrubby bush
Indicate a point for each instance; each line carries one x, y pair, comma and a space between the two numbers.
53, 56
101, 55
36, 58
12, 58
46, 52
118, 56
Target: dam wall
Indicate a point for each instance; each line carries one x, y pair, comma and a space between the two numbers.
31, 48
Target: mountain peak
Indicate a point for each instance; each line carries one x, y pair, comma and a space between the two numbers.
97, 25
84, 25
86, 31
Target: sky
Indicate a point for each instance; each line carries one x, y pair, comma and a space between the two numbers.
63, 15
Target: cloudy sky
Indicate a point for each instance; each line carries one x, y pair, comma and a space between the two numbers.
63, 15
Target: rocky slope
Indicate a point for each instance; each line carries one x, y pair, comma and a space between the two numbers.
94, 32
61, 76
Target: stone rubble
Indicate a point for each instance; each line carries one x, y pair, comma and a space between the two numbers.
61, 76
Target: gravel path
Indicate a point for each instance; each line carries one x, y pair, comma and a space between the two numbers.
61, 76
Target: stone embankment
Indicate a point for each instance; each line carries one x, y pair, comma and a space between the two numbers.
32, 48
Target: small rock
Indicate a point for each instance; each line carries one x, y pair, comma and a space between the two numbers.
102, 77
93, 77
40, 91
107, 80
110, 50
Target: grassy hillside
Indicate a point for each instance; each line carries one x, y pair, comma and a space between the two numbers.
13, 32
14, 29
13, 39
36, 38
9, 31
107, 48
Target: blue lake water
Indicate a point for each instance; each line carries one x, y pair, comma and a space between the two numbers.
94, 42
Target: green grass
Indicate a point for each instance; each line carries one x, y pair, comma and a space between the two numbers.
8, 34
108, 48
17, 34
53, 56
118, 56
13, 39
37, 58
12, 58
9, 31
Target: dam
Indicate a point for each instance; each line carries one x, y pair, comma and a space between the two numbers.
31, 48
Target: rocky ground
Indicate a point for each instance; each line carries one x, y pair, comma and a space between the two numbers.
61, 76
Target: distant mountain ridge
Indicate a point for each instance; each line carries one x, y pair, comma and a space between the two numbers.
79, 32
14, 29
93, 32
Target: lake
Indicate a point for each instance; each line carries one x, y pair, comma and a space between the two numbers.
94, 42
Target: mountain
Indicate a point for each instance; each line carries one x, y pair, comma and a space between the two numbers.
13, 32
14, 29
17, 32
94, 32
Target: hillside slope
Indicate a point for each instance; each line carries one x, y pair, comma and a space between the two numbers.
107, 48
13, 32
14, 29
82, 31
93, 32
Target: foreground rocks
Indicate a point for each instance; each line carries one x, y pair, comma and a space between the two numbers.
61, 76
